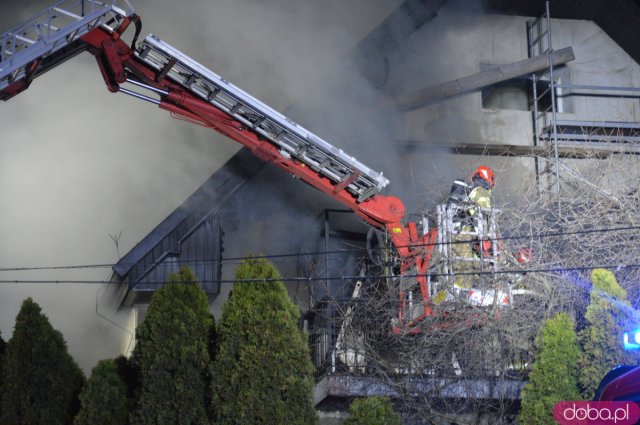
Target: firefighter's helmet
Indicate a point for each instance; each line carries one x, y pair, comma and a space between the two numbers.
524, 255
486, 174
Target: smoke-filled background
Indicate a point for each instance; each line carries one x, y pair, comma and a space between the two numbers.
80, 166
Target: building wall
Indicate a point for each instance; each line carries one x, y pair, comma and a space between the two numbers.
275, 214
457, 44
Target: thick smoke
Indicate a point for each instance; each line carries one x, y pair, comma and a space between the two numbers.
80, 164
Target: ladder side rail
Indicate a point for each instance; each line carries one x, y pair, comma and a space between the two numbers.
537, 121
30, 42
290, 144
493, 235
554, 127
45, 19
449, 243
447, 246
122, 7
48, 43
439, 244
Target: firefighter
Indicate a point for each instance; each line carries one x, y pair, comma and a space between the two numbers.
475, 194
482, 182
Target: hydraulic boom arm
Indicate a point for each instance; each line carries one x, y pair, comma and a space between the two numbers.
189, 91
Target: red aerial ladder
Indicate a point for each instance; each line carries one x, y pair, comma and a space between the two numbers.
160, 74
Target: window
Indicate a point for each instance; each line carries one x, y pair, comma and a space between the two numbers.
517, 94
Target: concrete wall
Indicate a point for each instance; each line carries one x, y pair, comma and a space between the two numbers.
460, 42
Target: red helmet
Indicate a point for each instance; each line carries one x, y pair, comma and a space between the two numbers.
524, 255
486, 174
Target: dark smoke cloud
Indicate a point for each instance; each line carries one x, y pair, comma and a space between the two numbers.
78, 164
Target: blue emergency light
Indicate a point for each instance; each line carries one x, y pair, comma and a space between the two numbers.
632, 340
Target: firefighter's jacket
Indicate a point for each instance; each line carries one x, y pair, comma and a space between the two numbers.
481, 197
467, 262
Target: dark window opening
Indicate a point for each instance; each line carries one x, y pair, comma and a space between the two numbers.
512, 94
517, 94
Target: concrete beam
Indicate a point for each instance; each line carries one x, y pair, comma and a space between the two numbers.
572, 151
485, 78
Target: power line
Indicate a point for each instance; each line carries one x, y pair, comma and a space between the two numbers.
334, 252
349, 277
35, 268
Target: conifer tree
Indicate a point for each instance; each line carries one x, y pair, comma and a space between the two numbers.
41, 380
554, 375
129, 375
372, 411
2, 348
607, 316
103, 399
172, 355
263, 372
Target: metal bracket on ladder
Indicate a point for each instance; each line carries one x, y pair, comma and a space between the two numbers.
291, 139
52, 30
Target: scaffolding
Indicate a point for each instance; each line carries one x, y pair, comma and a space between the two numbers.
545, 129
553, 133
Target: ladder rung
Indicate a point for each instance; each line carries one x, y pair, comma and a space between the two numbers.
541, 95
324, 163
214, 93
25, 39
190, 80
256, 124
466, 233
51, 27
537, 39
346, 181
144, 52
66, 12
165, 70
367, 193
235, 108
534, 22
473, 260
